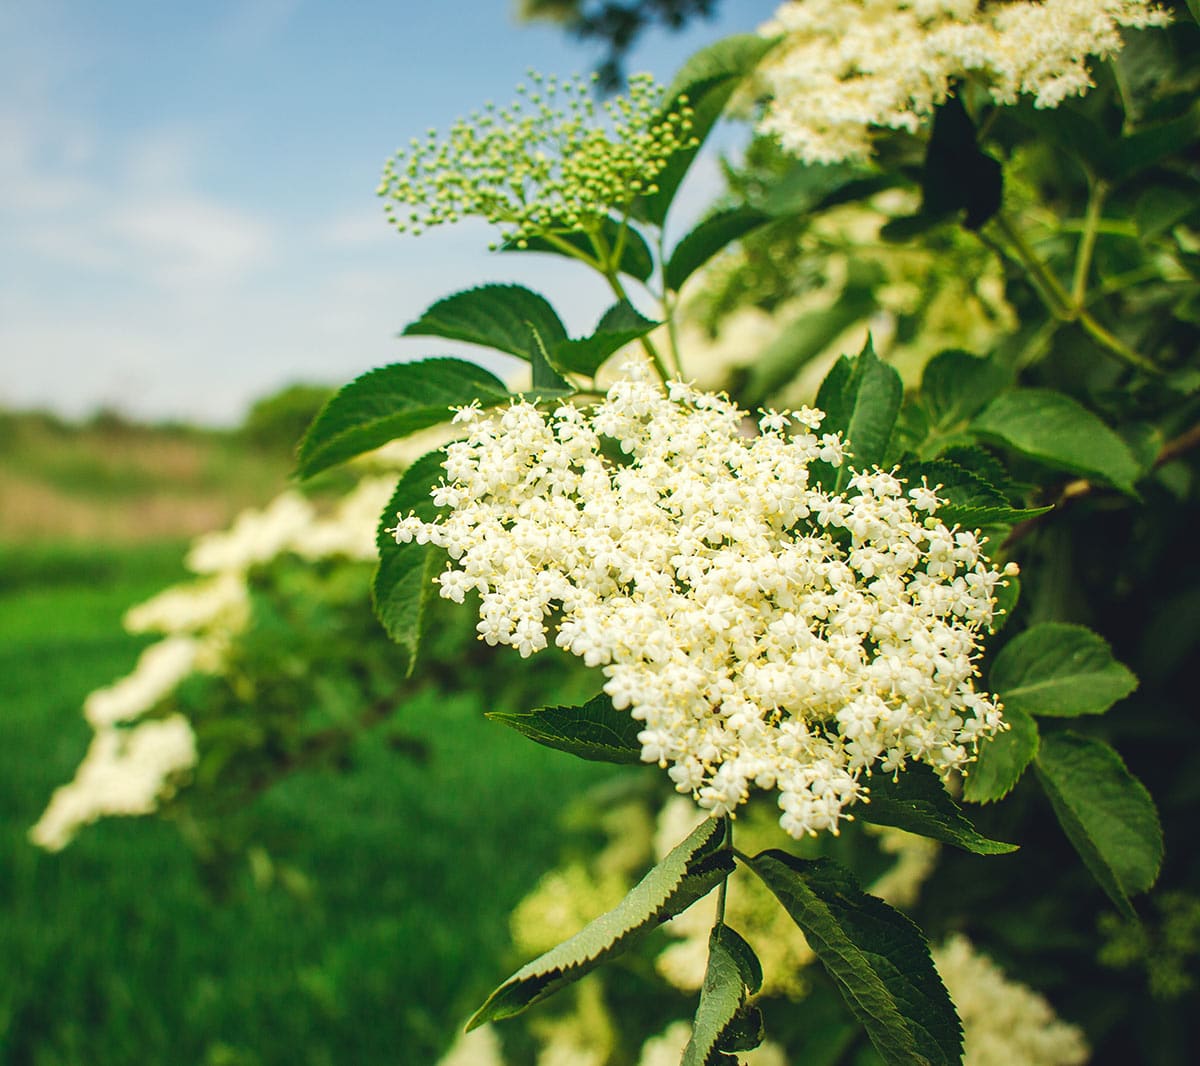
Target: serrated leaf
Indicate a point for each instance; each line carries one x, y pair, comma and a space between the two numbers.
636, 258
956, 385
1061, 671
1003, 759
708, 79
495, 316
801, 341
959, 487
982, 464
709, 237
691, 870
392, 402
861, 399
875, 955
733, 975
595, 731
1060, 433
620, 325
917, 802
975, 517
544, 378
404, 580
1105, 811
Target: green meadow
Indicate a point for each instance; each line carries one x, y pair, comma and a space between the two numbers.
365, 922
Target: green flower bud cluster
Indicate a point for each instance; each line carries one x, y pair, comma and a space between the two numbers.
552, 161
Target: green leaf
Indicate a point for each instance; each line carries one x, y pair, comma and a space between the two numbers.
1194, 7
708, 79
917, 802
1105, 811
959, 487
707, 239
636, 258
404, 580
544, 377
732, 976
801, 341
1163, 206
621, 325
1059, 670
982, 517
957, 175
495, 316
809, 187
392, 402
861, 399
1144, 148
1008, 594
1059, 432
692, 870
594, 731
875, 955
1002, 760
956, 385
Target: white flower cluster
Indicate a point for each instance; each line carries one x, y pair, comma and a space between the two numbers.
1004, 1021
764, 631
132, 764
845, 66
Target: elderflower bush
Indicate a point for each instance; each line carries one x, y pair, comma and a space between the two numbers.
810, 611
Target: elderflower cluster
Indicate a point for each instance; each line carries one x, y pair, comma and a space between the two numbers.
1004, 1021
134, 760
844, 66
547, 162
765, 631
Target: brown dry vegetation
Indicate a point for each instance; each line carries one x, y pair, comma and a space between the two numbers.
116, 482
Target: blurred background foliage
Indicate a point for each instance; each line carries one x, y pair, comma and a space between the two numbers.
292, 907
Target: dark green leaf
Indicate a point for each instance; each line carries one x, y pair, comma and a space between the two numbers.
1059, 670
957, 175
956, 385
392, 402
1163, 206
861, 399
692, 870
708, 79
732, 976
621, 325
1002, 760
801, 341
636, 258
495, 316
707, 238
959, 487
1105, 811
1059, 432
917, 802
544, 378
875, 955
594, 731
1151, 145
404, 580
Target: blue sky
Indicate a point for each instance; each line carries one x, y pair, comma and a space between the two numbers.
187, 208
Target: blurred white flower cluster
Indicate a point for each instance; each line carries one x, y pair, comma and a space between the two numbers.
131, 765
1004, 1021
764, 631
844, 66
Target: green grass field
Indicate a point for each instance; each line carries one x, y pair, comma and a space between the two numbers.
377, 924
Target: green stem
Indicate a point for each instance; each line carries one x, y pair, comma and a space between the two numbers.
1087, 243
567, 248
723, 890
1060, 303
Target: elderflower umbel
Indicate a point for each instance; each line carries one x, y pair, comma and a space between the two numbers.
766, 632
545, 163
844, 66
